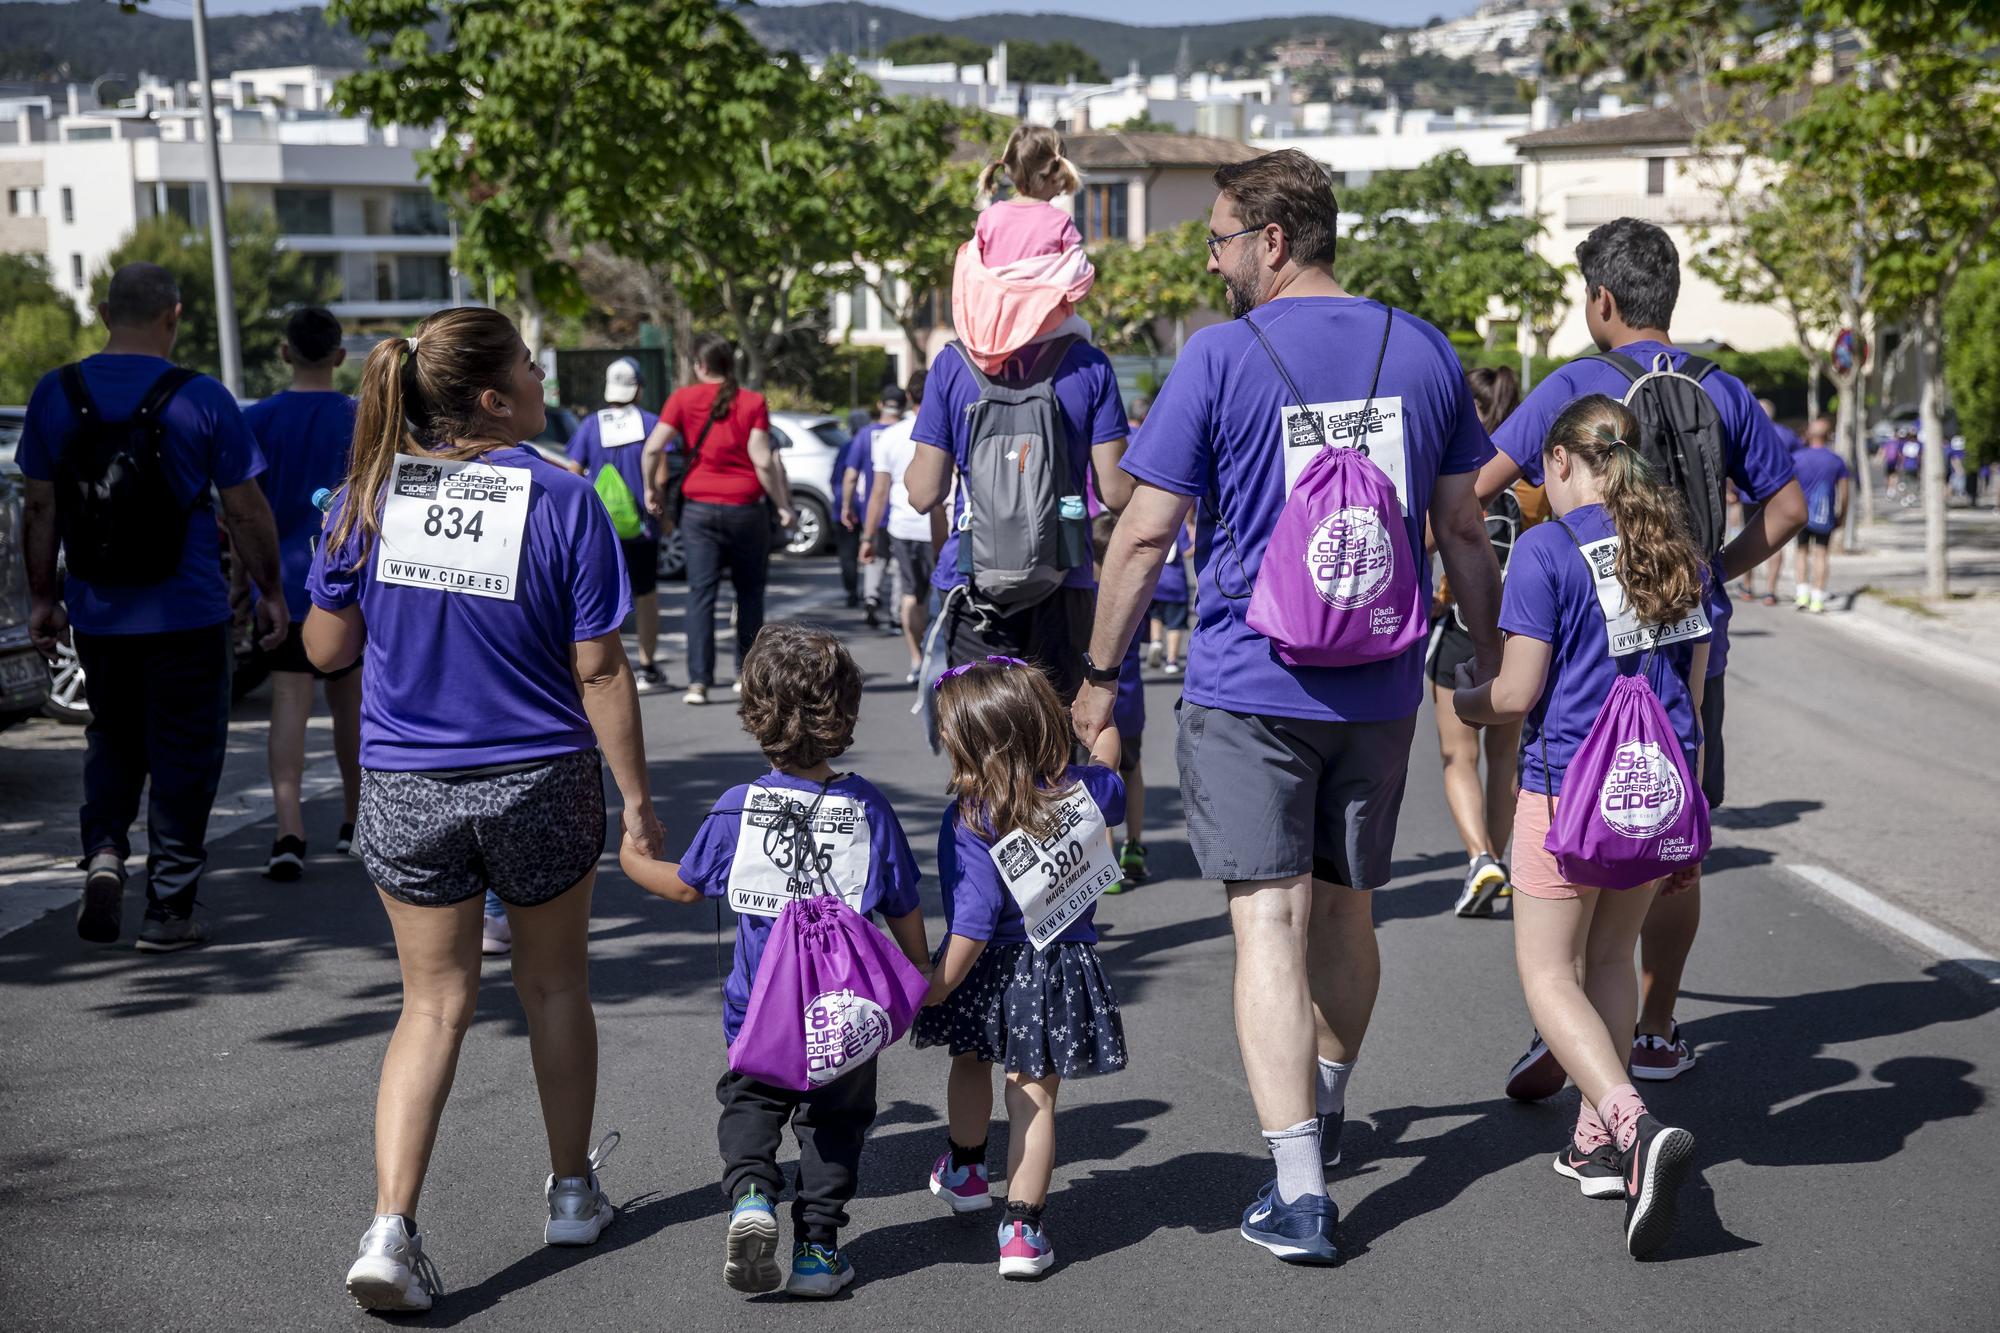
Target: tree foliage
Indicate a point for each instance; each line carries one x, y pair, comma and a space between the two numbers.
1434, 241
269, 282
937, 48
1972, 359
1052, 62
1143, 291
39, 328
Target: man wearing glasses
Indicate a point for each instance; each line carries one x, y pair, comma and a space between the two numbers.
1292, 777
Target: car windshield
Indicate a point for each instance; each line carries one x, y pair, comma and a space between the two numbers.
830, 434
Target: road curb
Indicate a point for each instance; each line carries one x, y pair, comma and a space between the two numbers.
1891, 627
1953, 950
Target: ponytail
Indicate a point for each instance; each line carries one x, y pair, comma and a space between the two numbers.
989, 178
1033, 162
716, 355
1658, 566
421, 401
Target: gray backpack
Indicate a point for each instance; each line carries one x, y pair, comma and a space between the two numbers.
1681, 437
1023, 526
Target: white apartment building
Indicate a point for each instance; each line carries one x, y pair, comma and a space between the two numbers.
1507, 25
76, 180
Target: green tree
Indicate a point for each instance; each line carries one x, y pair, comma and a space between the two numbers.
1972, 360
1145, 124
564, 120
936, 48
1053, 62
1434, 241
35, 339
269, 282
1144, 293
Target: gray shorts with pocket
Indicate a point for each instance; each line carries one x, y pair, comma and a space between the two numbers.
1274, 797
526, 831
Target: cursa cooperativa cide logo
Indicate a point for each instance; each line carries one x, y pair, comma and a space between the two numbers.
1349, 557
1642, 793
842, 1030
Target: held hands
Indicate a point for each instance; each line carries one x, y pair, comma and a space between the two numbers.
1091, 713
644, 834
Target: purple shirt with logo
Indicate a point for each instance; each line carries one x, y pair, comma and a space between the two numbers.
892, 872
1086, 396
977, 905
1753, 452
453, 680
1216, 432
1550, 595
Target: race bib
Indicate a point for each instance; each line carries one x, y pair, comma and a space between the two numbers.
1055, 879
1376, 426
619, 426
454, 526
786, 849
1623, 629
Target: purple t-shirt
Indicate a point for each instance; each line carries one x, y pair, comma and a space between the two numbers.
1173, 585
1086, 396
1820, 472
588, 448
206, 445
977, 905
858, 455
736, 852
1128, 709
455, 680
1551, 595
306, 439
1753, 452
1217, 431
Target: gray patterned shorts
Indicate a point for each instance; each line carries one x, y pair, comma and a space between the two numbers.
528, 832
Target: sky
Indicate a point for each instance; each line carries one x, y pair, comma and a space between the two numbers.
1152, 12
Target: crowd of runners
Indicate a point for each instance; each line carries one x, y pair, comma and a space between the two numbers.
1321, 521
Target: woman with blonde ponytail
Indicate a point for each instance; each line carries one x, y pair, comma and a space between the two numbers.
1019, 279
1614, 585
489, 589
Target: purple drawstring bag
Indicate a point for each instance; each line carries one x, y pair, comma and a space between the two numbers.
831, 993
1338, 583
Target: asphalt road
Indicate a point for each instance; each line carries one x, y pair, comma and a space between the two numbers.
189, 1136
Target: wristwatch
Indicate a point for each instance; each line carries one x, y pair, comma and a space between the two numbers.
1096, 674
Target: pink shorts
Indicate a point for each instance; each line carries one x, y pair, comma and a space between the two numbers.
1534, 869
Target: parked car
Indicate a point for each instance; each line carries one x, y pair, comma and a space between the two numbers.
808, 445
13, 420
24, 676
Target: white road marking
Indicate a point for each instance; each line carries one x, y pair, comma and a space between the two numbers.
1931, 939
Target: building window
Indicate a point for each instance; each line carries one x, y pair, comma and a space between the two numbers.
177, 201
423, 278
1656, 175
304, 212
24, 202
68, 205
418, 213
1100, 212
85, 133
76, 271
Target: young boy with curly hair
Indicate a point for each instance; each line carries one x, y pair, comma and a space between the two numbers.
801, 829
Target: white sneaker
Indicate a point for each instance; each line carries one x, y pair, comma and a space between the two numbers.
578, 1208
1172, 668
496, 937
648, 678
392, 1273
696, 694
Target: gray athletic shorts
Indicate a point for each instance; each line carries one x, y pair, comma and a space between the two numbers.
1274, 797
526, 831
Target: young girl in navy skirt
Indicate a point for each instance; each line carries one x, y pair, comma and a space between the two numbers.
1022, 855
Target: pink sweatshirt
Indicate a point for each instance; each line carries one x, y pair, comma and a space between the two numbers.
1023, 229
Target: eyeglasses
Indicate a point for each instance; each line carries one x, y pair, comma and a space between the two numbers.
1215, 243
961, 670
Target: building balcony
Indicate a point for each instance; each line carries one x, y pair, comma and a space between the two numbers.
1590, 210
364, 243
371, 309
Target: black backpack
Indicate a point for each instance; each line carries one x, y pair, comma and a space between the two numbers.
1680, 435
121, 523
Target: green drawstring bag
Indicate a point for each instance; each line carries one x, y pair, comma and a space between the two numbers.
617, 497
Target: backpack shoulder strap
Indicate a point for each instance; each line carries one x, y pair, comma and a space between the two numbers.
1624, 364
78, 393
979, 377
1696, 368
170, 382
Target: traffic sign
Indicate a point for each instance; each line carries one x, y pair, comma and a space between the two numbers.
1850, 353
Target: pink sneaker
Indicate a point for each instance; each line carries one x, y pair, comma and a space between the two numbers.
1662, 1058
1024, 1250
964, 1189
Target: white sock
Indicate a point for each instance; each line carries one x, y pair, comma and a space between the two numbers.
1330, 1086
1296, 1152
1802, 590
1819, 594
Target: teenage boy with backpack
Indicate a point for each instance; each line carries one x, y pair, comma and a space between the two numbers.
121, 452
1292, 776
1701, 430
610, 446
1015, 570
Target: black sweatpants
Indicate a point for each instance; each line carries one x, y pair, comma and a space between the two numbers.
830, 1123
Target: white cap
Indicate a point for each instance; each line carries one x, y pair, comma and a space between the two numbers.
621, 380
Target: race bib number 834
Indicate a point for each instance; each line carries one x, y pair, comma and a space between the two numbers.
454, 526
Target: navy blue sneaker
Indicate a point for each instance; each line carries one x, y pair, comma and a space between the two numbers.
1329, 1135
1299, 1232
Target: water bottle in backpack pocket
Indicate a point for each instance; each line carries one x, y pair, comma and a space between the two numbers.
1338, 585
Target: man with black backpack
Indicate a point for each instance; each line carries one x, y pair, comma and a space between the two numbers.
1015, 570
1701, 430
123, 452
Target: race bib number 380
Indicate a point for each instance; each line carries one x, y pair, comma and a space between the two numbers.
1055, 879
454, 526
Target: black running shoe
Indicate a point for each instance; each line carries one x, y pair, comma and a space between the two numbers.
99, 913
344, 844
1537, 1075
288, 860
1654, 1168
1595, 1172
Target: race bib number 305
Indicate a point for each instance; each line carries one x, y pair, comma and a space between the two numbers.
454, 526
1626, 634
1054, 880
1376, 427
789, 846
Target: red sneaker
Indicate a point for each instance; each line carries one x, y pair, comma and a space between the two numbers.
1662, 1058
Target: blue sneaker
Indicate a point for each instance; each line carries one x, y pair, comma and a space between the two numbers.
1329, 1135
752, 1263
1300, 1232
818, 1271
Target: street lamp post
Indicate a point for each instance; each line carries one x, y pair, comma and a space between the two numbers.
218, 225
